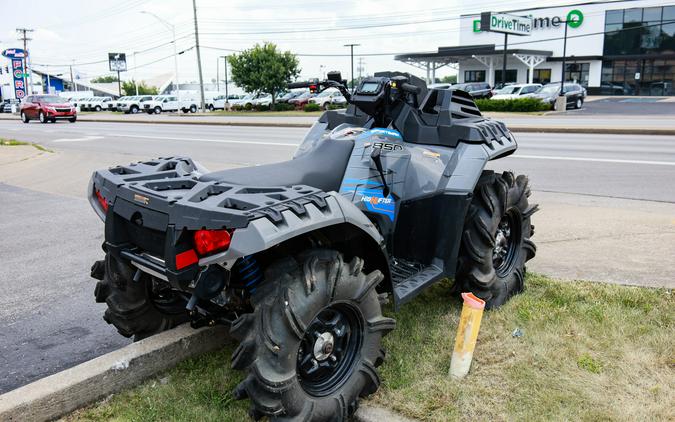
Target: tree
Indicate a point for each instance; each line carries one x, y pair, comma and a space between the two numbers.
104, 80
129, 88
450, 79
264, 69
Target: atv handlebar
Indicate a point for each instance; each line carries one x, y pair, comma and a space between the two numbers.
413, 89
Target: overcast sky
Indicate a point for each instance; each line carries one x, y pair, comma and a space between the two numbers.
84, 31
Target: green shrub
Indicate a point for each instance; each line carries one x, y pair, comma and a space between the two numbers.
237, 107
311, 107
336, 106
283, 107
262, 107
248, 107
515, 104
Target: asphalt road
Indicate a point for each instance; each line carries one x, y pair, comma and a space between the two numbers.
50, 237
621, 166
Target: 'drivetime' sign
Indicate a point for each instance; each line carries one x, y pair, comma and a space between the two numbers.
505, 23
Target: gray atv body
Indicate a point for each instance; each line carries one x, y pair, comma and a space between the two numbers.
413, 236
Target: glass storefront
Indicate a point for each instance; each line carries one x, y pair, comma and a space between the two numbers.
577, 73
638, 77
646, 37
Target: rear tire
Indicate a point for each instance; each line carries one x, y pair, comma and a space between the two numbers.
211, 107
133, 109
313, 342
24, 118
193, 108
98, 108
496, 239
578, 103
158, 110
132, 308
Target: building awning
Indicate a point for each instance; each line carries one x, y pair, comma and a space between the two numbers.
454, 54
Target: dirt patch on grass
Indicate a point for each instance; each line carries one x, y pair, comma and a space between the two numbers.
589, 351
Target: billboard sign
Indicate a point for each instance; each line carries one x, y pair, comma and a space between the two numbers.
19, 80
505, 23
117, 62
15, 53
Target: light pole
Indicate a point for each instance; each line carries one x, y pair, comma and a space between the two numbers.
351, 48
171, 28
134, 77
227, 100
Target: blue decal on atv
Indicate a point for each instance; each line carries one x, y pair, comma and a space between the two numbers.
375, 201
385, 132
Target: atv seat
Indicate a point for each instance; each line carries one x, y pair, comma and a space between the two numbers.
322, 168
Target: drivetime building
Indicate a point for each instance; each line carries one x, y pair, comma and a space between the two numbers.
613, 48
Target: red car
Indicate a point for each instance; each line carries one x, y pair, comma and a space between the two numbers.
300, 101
47, 108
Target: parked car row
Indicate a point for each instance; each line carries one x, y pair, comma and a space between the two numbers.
575, 93
92, 103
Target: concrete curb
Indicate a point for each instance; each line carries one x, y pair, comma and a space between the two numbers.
66, 391
62, 393
513, 128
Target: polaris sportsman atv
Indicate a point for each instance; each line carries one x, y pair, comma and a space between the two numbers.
381, 199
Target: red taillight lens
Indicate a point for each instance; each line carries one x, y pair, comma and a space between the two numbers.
101, 200
185, 259
209, 241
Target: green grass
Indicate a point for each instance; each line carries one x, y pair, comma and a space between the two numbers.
589, 351
13, 142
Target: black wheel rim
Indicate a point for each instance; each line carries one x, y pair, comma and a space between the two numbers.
507, 243
329, 349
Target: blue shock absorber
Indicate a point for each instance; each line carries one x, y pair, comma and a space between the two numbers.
250, 274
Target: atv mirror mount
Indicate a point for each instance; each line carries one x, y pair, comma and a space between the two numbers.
375, 156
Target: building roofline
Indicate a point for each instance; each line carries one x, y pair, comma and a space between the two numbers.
458, 52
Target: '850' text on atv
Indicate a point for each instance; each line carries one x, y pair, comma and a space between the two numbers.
383, 198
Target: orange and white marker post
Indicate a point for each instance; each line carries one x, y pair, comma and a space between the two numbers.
467, 333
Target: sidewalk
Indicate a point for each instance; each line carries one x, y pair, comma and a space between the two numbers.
554, 122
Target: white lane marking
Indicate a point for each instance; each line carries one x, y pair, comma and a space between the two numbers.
596, 160
84, 139
222, 141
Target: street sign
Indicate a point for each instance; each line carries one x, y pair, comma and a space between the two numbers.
117, 62
505, 23
15, 53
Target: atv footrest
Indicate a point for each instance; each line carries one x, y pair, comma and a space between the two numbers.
410, 278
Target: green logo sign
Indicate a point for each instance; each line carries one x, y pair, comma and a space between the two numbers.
476, 25
575, 18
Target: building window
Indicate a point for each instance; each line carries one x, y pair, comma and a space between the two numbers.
649, 30
577, 73
541, 76
474, 76
511, 76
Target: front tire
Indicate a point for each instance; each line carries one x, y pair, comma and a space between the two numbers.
496, 239
135, 308
193, 108
43, 117
158, 110
313, 342
133, 109
72, 119
98, 108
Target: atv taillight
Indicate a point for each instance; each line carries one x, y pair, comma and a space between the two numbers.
101, 200
210, 241
185, 259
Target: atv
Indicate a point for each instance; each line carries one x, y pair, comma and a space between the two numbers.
380, 201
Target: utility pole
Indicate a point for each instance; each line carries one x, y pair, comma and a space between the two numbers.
360, 68
134, 76
72, 81
227, 100
218, 74
24, 37
351, 48
199, 56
